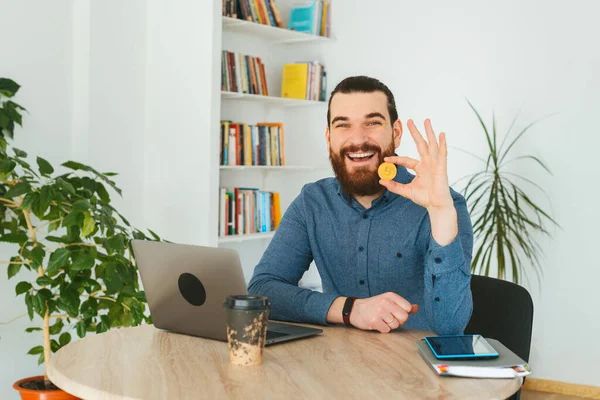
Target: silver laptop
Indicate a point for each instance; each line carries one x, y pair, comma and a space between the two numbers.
186, 287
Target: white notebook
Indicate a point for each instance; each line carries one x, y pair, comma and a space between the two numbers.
506, 365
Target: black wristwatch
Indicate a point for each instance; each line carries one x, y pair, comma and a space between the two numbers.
347, 310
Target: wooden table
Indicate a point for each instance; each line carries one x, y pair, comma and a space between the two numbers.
147, 363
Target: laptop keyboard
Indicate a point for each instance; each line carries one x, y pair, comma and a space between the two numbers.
274, 335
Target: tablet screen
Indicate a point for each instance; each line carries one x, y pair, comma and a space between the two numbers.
461, 345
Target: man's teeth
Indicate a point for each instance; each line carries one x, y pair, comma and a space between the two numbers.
360, 155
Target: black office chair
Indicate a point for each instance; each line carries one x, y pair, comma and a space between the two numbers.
503, 311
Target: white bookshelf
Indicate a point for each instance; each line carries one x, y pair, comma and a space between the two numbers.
304, 121
270, 33
270, 100
267, 168
245, 238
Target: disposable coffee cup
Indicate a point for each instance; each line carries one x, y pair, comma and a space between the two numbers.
247, 320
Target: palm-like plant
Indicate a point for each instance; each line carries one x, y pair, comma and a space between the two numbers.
505, 217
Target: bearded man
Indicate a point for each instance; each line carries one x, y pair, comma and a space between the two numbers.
390, 253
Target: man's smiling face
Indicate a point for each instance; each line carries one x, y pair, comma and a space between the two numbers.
360, 134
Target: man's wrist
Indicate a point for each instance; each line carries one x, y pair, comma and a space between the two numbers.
334, 315
444, 225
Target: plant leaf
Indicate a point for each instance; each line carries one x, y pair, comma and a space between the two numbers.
83, 262
13, 269
19, 153
36, 350
57, 327
29, 303
22, 287
39, 301
19, 189
8, 87
81, 329
64, 339
44, 280
7, 166
58, 260
37, 255
88, 225
32, 329
19, 237
44, 166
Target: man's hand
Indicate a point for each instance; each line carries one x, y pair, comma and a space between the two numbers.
430, 187
385, 312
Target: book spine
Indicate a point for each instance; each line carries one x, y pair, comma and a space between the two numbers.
272, 21
263, 77
248, 145
262, 12
276, 14
254, 10
222, 212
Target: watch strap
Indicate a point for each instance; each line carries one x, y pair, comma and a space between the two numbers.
347, 310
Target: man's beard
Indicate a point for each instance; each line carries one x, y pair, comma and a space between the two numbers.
363, 181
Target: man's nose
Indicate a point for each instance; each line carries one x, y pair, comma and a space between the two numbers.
358, 136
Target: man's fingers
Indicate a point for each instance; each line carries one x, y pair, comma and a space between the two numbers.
418, 138
433, 145
415, 308
378, 324
399, 314
443, 152
402, 189
400, 301
404, 161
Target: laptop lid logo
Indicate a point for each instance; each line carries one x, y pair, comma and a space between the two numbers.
192, 289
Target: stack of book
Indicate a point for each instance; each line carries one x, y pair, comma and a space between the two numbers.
260, 11
260, 144
243, 74
313, 18
307, 81
245, 211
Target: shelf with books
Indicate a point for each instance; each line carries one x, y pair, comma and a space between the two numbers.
270, 100
272, 33
244, 238
268, 167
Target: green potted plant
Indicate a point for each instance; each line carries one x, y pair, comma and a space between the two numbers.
75, 245
506, 220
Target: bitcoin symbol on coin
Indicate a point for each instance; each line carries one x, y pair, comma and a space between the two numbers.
387, 171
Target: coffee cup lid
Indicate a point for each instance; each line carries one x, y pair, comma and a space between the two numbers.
247, 302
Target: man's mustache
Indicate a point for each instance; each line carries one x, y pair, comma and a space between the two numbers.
360, 149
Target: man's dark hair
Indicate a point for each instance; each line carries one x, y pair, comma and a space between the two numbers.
364, 84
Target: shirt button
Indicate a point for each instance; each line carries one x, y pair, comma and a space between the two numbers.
437, 299
365, 216
438, 260
399, 255
361, 249
362, 282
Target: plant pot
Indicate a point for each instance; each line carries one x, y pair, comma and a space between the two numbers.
31, 394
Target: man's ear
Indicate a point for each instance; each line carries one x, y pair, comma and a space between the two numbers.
328, 138
397, 133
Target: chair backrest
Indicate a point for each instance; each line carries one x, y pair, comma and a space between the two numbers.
503, 311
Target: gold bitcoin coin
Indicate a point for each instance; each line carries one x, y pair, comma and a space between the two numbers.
387, 171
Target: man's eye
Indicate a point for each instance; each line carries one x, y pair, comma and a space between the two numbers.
374, 123
341, 125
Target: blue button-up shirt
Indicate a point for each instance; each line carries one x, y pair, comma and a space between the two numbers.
365, 252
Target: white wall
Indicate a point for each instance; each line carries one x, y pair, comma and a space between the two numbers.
36, 53
114, 84
540, 57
